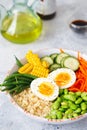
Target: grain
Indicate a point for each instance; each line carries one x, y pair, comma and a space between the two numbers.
32, 104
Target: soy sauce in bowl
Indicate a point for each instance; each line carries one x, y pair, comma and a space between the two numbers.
79, 26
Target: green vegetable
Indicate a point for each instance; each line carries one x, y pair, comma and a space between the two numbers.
16, 82
68, 105
78, 101
78, 110
59, 115
70, 97
18, 62
83, 106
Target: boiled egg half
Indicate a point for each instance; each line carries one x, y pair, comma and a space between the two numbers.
63, 77
45, 89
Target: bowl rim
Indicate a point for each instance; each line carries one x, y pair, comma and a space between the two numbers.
42, 119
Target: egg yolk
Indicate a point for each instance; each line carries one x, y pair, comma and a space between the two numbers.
46, 88
62, 79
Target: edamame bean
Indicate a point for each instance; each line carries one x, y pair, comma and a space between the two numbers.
68, 111
65, 91
69, 115
53, 114
75, 115
70, 97
83, 106
73, 106
72, 93
78, 93
84, 98
84, 111
61, 91
62, 109
59, 99
78, 101
65, 116
64, 104
78, 110
55, 105
59, 115
83, 94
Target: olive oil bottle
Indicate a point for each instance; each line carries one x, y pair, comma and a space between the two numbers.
21, 24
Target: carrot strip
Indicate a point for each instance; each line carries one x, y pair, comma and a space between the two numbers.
81, 77
61, 50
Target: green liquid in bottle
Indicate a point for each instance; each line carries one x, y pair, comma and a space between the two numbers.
21, 28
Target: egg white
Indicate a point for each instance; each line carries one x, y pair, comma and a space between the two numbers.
35, 89
54, 73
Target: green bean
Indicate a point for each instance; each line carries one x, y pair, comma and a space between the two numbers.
78, 101
15, 83
20, 75
18, 62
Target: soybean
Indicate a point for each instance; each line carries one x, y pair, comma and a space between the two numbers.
84, 98
78, 101
83, 106
59, 115
73, 106
70, 97
55, 105
69, 105
78, 110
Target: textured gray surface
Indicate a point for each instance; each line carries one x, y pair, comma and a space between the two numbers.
56, 33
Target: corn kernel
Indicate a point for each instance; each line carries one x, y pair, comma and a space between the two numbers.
40, 71
27, 68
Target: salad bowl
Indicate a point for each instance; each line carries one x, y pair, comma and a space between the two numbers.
43, 53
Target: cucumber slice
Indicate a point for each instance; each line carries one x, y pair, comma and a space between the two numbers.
60, 56
71, 63
48, 59
54, 67
54, 55
62, 61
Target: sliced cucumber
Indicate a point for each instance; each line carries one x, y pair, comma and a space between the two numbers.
62, 61
54, 67
48, 59
60, 56
54, 55
71, 63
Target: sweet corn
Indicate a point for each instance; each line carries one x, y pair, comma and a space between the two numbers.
26, 69
33, 58
40, 71
45, 64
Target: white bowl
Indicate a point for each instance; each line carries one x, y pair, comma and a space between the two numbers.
41, 53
